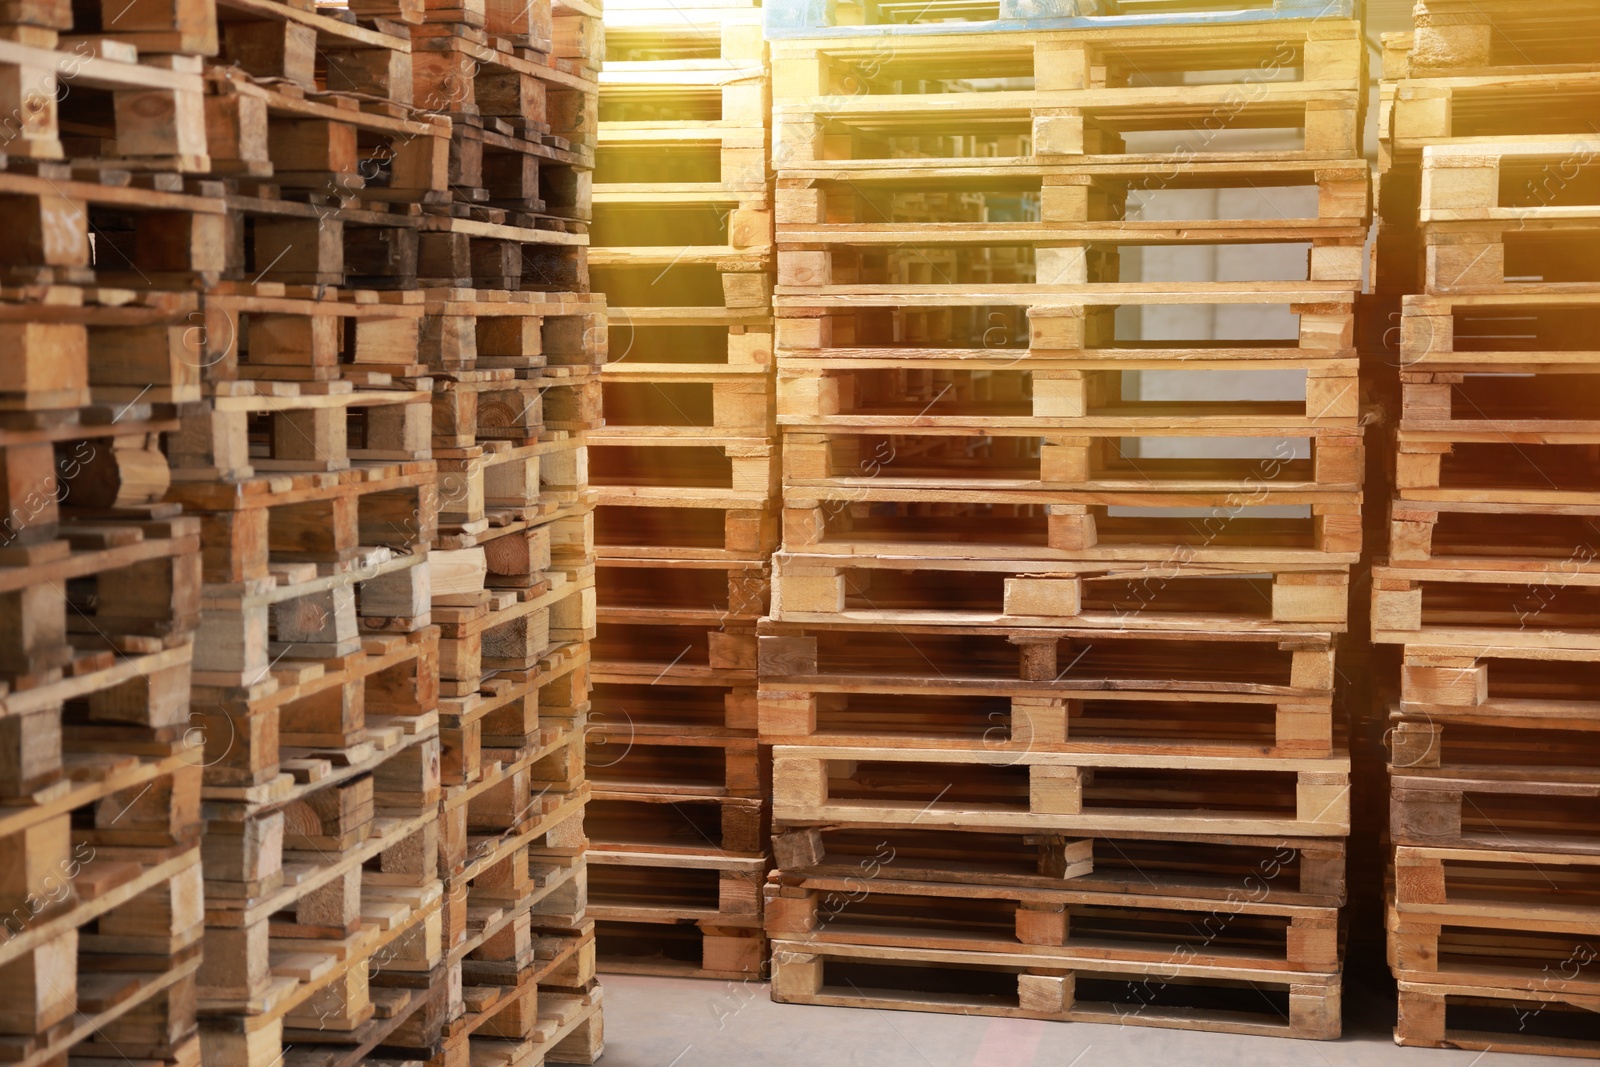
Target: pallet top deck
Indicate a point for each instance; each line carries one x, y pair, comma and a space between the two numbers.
824, 18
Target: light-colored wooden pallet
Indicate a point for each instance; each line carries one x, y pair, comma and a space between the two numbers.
682, 950
1510, 815
894, 912
1508, 331
1478, 610
1203, 871
688, 704
908, 19
640, 759
1468, 37
1018, 594
647, 886
1140, 795
1543, 688
1061, 987
1071, 107
1501, 1020
674, 825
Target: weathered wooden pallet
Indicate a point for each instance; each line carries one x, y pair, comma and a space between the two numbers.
1089, 97
1107, 391
271, 331
892, 911
302, 715
401, 1002
641, 758
906, 324
502, 721
1541, 689
330, 143
86, 597
498, 169
1214, 871
672, 825
1512, 815
156, 118
685, 646
842, 201
491, 248
1062, 987
512, 629
971, 462
1477, 610
1043, 662
150, 231
1466, 37
687, 705
653, 522
907, 19
295, 237
682, 950
103, 905
316, 49
251, 426
1527, 104
86, 362
480, 76
864, 521
187, 27
526, 493
648, 887
495, 329
1514, 216
877, 715
567, 1028
691, 402
1139, 795
1489, 1018
1485, 919
1479, 743
1524, 332
691, 593
1017, 594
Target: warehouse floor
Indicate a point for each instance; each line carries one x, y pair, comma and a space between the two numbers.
672, 1022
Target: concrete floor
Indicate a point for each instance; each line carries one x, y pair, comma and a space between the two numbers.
671, 1022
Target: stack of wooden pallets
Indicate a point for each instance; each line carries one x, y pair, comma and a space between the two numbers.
687, 475
226, 212
1486, 589
1049, 673
100, 822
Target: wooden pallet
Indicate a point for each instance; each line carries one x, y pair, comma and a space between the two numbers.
1477, 610
1045, 662
1219, 870
871, 106
150, 230
324, 142
898, 18
649, 887
1060, 987
684, 704
1525, 104
316, 50
894, 912
1502, 331
1489, 1018
104, 918
1015, 594
1515, 815
495, 329
1540, 688
1485, 919
647, 760
502, 721
157, 119
682, 950
674, 825
1132, 795
512, 629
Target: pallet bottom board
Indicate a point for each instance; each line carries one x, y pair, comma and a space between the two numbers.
1282, 1005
